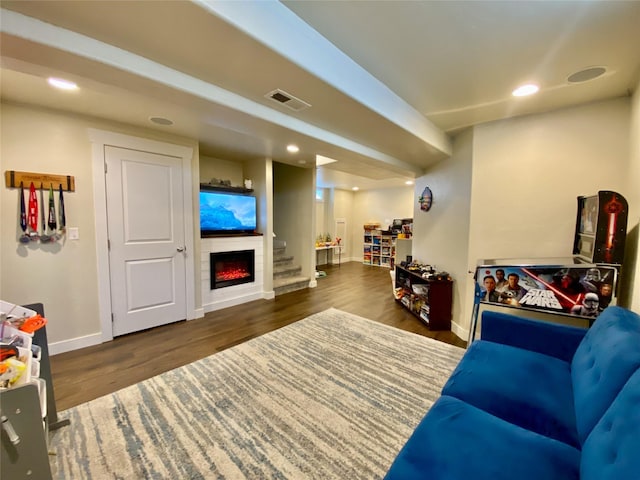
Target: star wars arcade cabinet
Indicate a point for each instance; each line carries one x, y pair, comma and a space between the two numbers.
571, 290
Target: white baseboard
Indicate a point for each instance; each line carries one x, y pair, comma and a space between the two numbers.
232, 302
344, 259
75, 344
459, 331
96, 339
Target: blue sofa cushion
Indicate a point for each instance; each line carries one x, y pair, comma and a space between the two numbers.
526, 388
605, 359
457, 441
553, 339
612, 449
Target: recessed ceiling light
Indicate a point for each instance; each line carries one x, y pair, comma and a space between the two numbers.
161, 121
62, 84
409, 182
524, 90
586, 74
355, 189
293, 148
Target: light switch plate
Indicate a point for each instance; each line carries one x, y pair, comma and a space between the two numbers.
73, 233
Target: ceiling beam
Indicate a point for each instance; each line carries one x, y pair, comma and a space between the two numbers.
274, 25
39, 32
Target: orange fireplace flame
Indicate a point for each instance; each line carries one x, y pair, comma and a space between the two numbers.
231, 271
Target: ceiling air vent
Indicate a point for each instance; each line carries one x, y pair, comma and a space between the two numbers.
288, 100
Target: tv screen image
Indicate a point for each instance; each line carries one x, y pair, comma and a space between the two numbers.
222, 212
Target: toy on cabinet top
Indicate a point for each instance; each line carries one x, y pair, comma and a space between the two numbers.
402, 227
428, 272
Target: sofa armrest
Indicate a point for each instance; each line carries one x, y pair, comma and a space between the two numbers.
553, 339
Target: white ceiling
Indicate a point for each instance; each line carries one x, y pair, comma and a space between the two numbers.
389, 82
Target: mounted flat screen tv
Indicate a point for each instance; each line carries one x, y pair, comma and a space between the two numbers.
226, 213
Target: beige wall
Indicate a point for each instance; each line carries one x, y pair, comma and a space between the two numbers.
380, 206
261, 174
441, 235
63, 276
343, 208
337, 204
294, 213
211, 168
509, 190
632, 254
528, 172
324, 213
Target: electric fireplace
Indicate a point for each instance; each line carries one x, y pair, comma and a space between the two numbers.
232, 268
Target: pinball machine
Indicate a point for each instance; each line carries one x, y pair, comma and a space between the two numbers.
571, 290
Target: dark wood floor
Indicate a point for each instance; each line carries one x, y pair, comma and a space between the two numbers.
82, 375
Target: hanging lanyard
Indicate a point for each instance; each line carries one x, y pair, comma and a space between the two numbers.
63, 220
23, 210
52, 210
33, 208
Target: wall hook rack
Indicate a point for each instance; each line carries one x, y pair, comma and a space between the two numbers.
13, 180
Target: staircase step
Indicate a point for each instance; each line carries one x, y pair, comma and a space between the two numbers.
289, 284
279, 251
282, 271
282, 260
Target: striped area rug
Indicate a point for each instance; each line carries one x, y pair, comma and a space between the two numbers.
333, 396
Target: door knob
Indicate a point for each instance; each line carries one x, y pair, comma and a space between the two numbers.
181, 249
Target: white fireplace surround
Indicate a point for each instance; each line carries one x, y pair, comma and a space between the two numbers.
237, 294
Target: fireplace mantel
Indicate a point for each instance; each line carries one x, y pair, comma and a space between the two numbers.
230, 235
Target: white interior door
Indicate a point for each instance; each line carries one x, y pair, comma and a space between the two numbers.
146, 239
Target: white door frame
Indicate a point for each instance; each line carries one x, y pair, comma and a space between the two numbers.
100, 139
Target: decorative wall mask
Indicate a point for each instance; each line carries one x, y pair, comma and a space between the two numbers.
426, 199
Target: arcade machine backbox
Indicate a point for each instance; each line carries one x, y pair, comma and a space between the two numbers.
569, 290
601, 228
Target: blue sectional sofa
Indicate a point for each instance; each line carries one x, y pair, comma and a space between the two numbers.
535, 400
